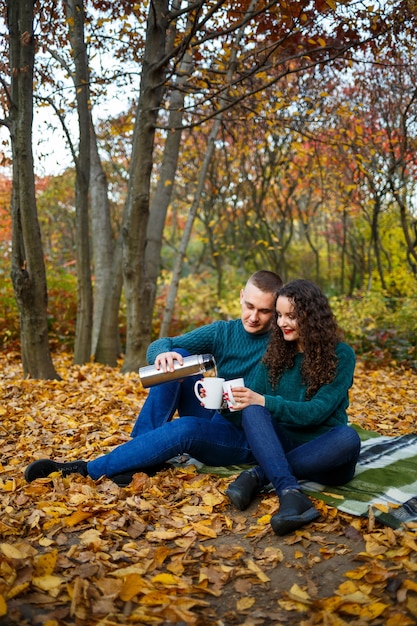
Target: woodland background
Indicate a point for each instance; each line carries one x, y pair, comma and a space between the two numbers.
194, 143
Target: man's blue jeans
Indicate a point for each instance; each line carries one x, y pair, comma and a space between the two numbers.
163, 400
329, 459
214, 442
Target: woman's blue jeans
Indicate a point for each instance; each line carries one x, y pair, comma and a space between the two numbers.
214, 442
329, 459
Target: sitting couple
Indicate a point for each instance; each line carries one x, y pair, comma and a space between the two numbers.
291, 424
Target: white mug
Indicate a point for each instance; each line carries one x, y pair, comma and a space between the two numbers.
227, 390
213, 387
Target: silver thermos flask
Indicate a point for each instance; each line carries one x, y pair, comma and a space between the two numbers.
192, 365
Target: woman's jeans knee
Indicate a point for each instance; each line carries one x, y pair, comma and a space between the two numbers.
330, 458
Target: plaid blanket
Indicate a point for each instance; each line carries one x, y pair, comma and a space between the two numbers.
385, 479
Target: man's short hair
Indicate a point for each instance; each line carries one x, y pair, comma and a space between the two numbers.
266, 281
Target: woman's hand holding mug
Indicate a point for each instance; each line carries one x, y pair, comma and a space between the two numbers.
238, 397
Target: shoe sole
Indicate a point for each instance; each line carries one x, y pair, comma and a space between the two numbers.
235, 499
286, 525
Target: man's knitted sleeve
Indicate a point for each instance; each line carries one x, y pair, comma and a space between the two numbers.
199, 341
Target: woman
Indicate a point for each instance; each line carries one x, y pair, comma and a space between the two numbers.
296, 422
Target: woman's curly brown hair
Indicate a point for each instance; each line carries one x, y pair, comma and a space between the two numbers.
319, 336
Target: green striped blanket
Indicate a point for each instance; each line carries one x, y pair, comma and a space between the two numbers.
385, 479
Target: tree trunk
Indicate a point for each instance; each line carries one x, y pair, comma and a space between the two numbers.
82, 350
103, 248
176, 274
343, 253
28, 269
163, 193
409, 227
305, 219
108, 340
375, 239
107, 346
173, 289
138, 289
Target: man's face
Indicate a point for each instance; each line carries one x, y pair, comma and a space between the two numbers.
258, 309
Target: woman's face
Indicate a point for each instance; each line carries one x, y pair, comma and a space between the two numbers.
286, 319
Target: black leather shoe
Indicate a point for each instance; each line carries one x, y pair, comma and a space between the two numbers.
44, 467
242, 490
295, 510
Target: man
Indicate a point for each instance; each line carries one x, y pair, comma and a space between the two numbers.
237, 346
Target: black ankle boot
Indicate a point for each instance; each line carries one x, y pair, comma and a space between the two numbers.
295, 510
242, 491
44, 467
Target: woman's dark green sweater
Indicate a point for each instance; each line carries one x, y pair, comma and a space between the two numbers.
304, 419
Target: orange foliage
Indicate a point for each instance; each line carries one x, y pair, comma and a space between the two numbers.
170, 548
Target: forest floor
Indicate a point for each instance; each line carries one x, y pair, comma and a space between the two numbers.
170, 549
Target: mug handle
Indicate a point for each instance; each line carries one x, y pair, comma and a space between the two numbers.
230, 397
196, 390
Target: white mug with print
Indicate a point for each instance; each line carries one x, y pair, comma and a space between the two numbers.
228, 385
212, 397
